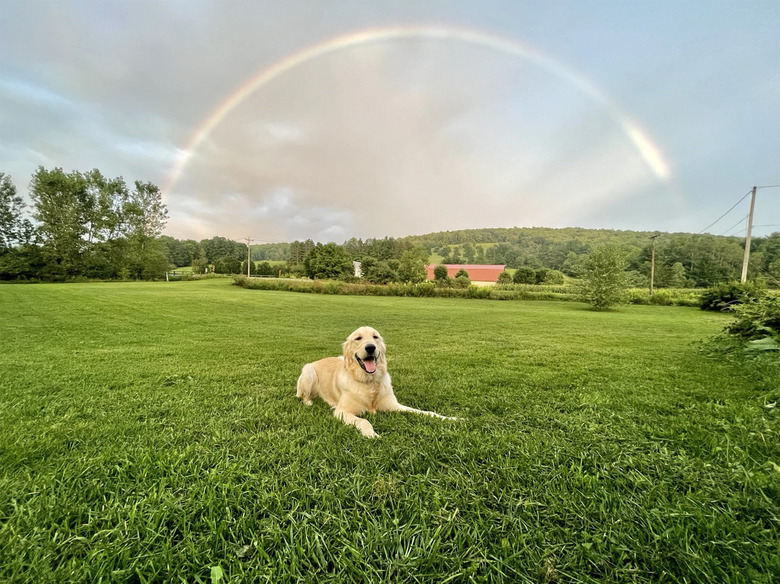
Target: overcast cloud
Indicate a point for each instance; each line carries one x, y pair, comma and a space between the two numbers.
408, 135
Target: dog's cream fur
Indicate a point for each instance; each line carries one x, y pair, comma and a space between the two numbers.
349, 386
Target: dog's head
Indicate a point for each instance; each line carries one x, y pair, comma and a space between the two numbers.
364, 352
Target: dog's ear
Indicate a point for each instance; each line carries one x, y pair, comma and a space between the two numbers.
382, 348
344, 350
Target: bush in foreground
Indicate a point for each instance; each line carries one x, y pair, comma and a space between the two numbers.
757, 321
729, 294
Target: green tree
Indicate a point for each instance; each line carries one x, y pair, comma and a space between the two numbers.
61, 208
19, 258
677, 276
604, 282
252, 268
456, 259
227, 265
441, 275
145, 217
15, 229
366, 265
480, 258
541, 275
265, 269
200, 265
217, 247
469, 252
382, 273
412, 265
328, 261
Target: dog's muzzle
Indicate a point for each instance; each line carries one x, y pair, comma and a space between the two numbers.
368, 363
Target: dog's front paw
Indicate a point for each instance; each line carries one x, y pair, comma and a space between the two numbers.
366, 429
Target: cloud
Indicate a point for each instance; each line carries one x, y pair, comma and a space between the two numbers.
409, 137
394, 137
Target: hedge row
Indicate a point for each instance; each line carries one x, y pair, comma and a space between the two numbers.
422, 290
430, 290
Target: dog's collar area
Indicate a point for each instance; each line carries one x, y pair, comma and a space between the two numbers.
371, 360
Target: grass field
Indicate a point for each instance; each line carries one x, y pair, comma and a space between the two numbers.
149, 432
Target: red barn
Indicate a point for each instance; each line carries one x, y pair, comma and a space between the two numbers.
477, 272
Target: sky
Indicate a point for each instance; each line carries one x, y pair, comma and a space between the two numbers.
329, 120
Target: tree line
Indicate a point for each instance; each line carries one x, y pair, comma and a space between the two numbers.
83, 224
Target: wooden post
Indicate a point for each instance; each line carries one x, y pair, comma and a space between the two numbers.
652, 262
248, 256
746, 258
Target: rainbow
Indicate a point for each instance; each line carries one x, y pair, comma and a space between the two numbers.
650, 153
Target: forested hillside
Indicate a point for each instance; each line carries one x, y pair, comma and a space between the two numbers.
682, 259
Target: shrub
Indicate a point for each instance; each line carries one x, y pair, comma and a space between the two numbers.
462, 273
479, 291
756, 319
461, 281
662, 298
553, 277
524, 275
441, 276
424, 289
729, 294
440, 272
504, 278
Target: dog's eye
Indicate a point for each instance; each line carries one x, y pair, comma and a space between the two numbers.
376, 337
358, 338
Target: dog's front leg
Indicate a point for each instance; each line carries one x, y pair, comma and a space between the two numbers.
396, 407
361, 424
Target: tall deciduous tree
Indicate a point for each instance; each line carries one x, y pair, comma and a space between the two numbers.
62, 207
94, 226
328, 261
15, 229
412, 265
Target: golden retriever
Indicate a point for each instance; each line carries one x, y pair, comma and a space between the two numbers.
355, 382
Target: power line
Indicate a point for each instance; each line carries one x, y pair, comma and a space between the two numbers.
737, 224
769, 187
727, 212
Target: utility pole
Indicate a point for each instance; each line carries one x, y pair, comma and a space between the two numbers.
747, 239
248, 256
652, 262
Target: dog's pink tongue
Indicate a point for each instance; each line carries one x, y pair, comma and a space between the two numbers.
370, 366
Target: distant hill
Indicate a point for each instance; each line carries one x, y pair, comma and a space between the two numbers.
587, 237
682, 259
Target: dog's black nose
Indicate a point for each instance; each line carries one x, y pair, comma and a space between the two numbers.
370, 349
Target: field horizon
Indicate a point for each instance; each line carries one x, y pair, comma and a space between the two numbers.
151, 433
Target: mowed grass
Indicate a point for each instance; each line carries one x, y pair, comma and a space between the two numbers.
149, 432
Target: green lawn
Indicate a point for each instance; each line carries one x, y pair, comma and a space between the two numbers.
149, 432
